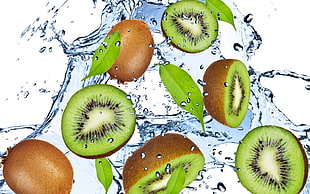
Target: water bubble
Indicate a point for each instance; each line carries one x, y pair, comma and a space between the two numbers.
100, 162
146, 168
151, 45
192, 148
154, 22
159, 156
197, 104
92, 141
96, 57
143, 155
226, 84
128, 30
110, 140
189, 93
238, 47
205, 93
85, 146
221, 187
157, 174
188, 100
100, 50
128, 97
104, 44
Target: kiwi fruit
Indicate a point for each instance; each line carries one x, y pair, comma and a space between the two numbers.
270, 159
149, 168
36, 166
190, 26
226, 92
137, 49
97, 121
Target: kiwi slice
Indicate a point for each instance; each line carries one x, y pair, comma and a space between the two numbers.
149, 168
227, 91
270, 159
97, 121
190, 25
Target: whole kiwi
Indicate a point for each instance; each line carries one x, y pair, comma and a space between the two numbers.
137, 48
36, 166
150, 167
227, 91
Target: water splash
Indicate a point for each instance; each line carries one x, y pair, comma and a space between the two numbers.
157, 114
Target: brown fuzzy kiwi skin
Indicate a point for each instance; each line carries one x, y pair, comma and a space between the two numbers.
36, 166
137, 49
170, 146
215, 76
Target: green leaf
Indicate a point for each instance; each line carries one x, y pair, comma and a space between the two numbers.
183, 90
221, 11
105, 55
176, 181
104, 172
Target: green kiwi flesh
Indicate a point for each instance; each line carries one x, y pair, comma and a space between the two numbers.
271, 159
97, 121
237, 94
190, 25
150, 167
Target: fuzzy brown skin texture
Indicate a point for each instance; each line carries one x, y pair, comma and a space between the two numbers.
137, 49
215, 76
35, 166
170, 146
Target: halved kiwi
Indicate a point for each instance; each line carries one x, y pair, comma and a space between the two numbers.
97, 121
227, 91
137, 49
149, 168
270, 159
190, 25
36, 166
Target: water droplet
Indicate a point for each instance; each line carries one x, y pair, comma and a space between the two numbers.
146, 168
307, 87
159, 156
205, 94
238, 47
157, 174
248, 18
154, 22
116, 68
85, 146
201, 66
183, 103
197, 104
100, 162
118, 43
92, 141
42, 49
226, 84
110, 140
128, 30
151, 45
189, 93
201, 82
104, 44
96, 57
192, 148
100, 50
167, 169
221, 187
240, 128
128, 97
143, 155
188, 100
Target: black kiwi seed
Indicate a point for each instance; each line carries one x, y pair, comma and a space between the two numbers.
97, 121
